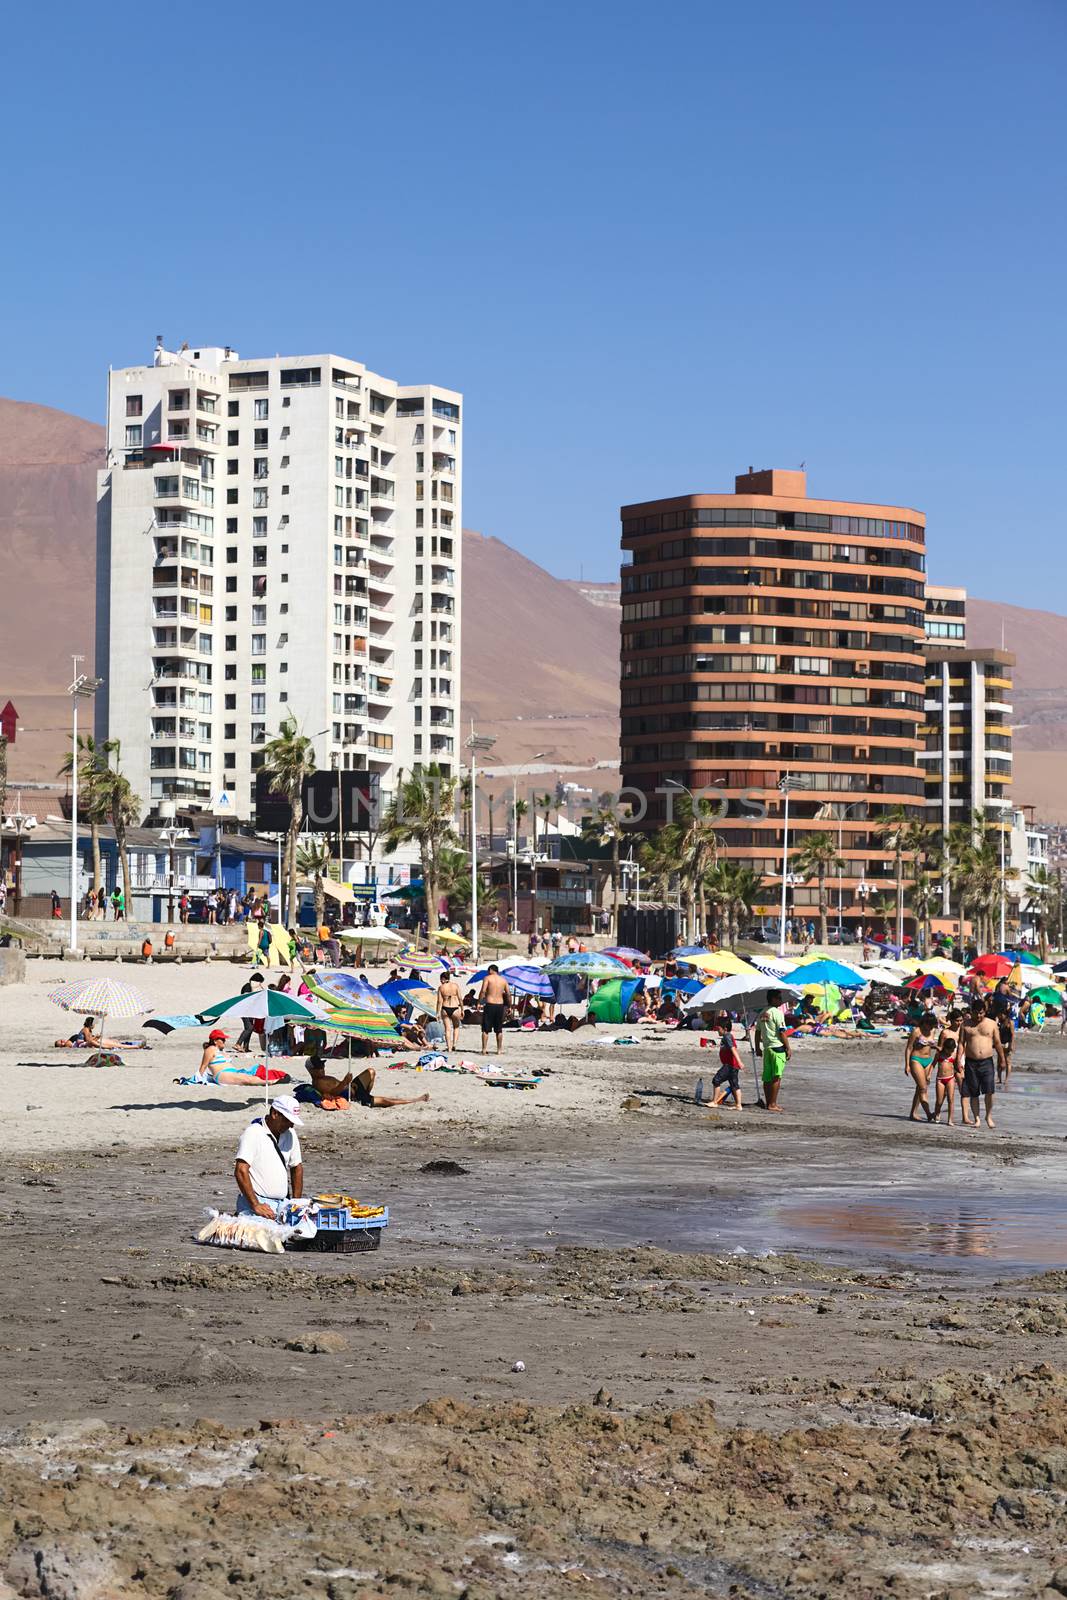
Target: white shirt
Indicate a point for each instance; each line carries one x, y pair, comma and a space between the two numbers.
270, 1176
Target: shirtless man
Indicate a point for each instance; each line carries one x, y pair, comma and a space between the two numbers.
495, 998
449, 1009
982, 1051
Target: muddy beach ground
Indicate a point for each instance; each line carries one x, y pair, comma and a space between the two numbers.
878, 1407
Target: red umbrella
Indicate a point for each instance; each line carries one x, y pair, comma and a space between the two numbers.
992, 966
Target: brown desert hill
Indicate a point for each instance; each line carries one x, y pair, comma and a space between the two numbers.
1039, 642
48, 464
540, 662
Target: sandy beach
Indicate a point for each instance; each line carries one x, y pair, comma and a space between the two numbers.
818, 1354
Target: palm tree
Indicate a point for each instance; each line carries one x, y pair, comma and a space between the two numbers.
422, 812
518, 811
816, 857
734, 889
123, 807
606, 829
697, 846
454, 885
894, 829
313, 861
92, 798
1040, 898
544, 800
290, 758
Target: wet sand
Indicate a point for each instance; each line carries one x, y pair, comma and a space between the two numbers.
877, 1407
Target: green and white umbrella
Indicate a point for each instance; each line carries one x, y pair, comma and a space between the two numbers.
262, 1004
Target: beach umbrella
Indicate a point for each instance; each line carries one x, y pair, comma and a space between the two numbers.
719, 962
1047, 995
446, 936
101, 997
372, 936
676, 985
826, 971
522, 979
417, 995
992, 966
928, 983
1061, 966
591, 964
884, 972
1026, 956
348, 990
260, 1005
417, 961
744, 994
631, 957
941, 964
827, 997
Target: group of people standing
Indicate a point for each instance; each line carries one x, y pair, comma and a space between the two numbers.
968, 1053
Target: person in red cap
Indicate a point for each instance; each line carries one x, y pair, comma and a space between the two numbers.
216, 1066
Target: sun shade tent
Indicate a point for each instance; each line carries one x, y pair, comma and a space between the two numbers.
612, 1000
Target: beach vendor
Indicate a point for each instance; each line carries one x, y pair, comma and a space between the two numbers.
270, 1167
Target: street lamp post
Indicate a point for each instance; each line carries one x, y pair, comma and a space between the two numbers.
170, 833
786, 784
19, 823
476, 742
81, 689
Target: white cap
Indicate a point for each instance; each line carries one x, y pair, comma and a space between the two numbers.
289, 1108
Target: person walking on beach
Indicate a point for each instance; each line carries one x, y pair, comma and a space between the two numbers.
495, 998
920, 1052
982, 1049
772, 1041
946, 1069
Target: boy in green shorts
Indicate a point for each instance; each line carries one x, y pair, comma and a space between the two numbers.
771, 1038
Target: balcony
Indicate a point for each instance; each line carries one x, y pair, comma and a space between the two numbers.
380, 689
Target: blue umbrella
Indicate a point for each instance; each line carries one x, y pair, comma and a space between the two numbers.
681, 985
521, 979
405, 993
827, 972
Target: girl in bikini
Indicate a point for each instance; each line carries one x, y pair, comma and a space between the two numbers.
919, 1057
948, 1049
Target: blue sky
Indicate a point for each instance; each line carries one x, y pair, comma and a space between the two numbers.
652, 245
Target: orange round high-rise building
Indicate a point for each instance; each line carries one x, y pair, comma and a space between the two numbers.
765, 634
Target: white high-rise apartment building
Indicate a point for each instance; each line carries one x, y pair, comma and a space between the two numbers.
276, 536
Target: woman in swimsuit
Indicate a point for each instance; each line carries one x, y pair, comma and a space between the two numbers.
449, 1009
919, 1057
216, 1066
948, 1049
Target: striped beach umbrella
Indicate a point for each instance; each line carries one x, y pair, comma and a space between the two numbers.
347, 991
101, 997
418, 961
262, 1004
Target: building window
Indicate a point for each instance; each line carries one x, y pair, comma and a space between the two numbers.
134, 405
261, 409
133, 436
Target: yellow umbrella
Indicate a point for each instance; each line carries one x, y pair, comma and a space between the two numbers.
941, 966
446, 936
719, 961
